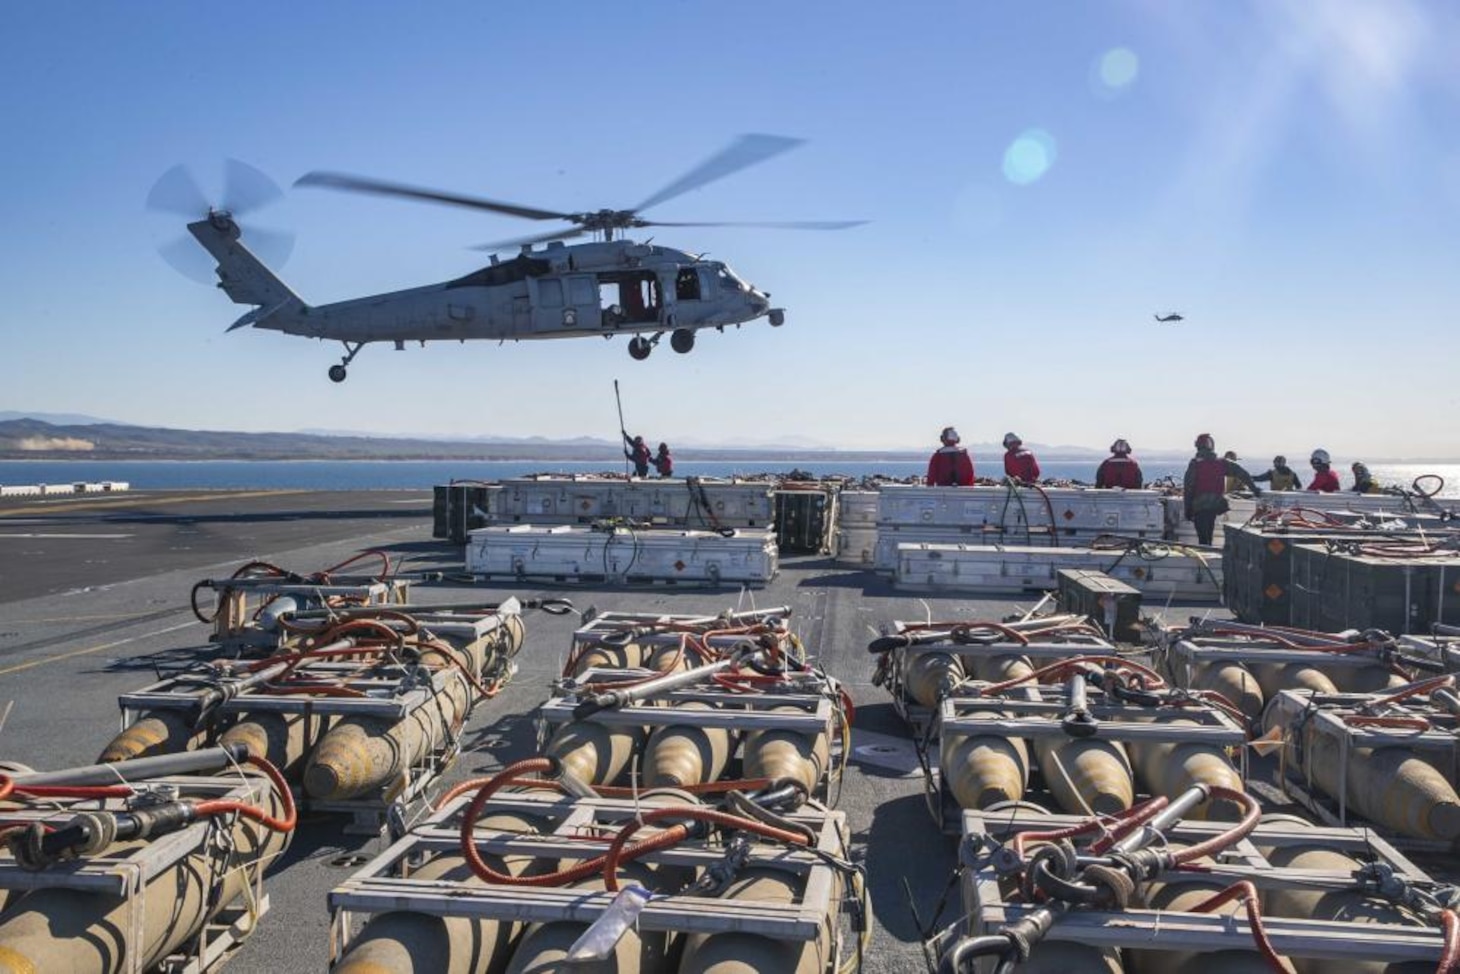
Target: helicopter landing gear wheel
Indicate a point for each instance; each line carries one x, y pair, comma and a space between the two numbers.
640, 347
682, 340
338, 373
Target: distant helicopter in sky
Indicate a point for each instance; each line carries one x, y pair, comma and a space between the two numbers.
610, 286
1173, 316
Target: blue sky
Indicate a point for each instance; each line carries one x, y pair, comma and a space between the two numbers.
1285, 173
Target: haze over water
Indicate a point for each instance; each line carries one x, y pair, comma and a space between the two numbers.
423, 474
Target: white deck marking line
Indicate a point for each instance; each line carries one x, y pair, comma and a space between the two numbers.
61, 535
95, 649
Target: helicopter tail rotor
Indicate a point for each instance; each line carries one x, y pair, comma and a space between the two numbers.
244, 190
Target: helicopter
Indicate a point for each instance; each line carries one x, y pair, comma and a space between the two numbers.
1173, 316
609, 286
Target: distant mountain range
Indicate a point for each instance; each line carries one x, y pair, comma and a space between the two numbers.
95, 439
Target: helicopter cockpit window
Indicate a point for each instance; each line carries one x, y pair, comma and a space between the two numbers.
687, 285
727, 279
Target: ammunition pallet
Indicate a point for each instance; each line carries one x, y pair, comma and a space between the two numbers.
125, 871
581, 829
987, 908
238, 603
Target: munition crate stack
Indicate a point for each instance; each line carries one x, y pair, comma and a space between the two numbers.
622, 555
1249, 665
1388, 758
688, 701
550, 882
362, 717
856, 533
1345, 506
694, 502
806, 517
163, 871
1049, 517
1105, 732
1398, 586
1257, 557
1154, 568
1178, 896
460, 507
921, 663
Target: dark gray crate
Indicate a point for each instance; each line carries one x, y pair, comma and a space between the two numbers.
1333, 591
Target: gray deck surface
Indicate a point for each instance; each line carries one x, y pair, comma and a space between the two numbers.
94, 590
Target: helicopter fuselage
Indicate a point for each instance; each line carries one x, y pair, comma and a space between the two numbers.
558, 291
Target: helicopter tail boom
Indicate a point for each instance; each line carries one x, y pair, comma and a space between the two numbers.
241, 275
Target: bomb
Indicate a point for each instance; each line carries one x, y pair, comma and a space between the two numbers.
1086, 776
983, 769
1170, 768
679, 754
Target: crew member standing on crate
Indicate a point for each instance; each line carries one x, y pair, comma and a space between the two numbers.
1325, 481
1364, 482
951, 466
1119, 469
1281, 476
1019, 463
663, 462
1204, 489
638, 452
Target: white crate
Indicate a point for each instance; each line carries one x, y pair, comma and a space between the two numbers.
856, 545
982, 568
859, 507
661, 555
1132, 513
580, 500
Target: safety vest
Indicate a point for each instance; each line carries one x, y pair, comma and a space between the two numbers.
1119, 471
1283, 479
1211, 476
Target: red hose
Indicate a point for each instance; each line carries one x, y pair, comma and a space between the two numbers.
1450, 955
1246, 894
616, 850
222, 806
1065, 664
1143, 810
1233, 835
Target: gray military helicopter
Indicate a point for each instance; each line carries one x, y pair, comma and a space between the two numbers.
612, 285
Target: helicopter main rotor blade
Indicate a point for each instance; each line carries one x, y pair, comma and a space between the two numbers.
246, 188
360, 184
743, 152
566, 234
774, 225
176, 191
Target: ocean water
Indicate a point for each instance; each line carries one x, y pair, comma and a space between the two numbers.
423, 474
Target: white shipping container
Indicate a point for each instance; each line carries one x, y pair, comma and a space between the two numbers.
1131, 513
858, 507
580, 500
660, 555
980, 568
856, 545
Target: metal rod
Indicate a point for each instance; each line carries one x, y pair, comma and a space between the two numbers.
188, 762
651, 688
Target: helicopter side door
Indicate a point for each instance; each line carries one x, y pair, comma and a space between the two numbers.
548, 304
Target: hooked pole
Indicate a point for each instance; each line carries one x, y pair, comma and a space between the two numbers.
623, 431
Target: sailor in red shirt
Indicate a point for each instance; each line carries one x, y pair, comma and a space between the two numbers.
1325, 481
1019, 463
1119, 469
951, 465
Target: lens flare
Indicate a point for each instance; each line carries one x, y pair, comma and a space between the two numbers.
1118, 69
1029, 157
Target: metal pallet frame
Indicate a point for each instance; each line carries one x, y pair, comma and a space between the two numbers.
379, 700
986, 908
1118, 722
379, 886
238, 599
1327, 712
918, 717
127, 873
